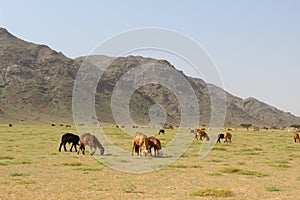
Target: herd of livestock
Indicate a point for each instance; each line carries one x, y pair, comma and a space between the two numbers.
141, 144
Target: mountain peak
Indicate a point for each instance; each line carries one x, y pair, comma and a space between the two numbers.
4, 32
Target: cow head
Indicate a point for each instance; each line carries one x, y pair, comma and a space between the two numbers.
159, 152
146, 152
102, 151
81, 147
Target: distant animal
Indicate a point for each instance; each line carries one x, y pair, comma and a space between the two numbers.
201, 135
10, 125
296, 137
161, 131
229, 129
92, 141
220, 136
67, 125
140, 144
52, 124
155, 143
227, 137
69, 138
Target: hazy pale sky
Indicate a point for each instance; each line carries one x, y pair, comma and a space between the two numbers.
255, 44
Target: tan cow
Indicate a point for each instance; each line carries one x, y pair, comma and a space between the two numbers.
140, 144
227, 137
201, 134
296, 137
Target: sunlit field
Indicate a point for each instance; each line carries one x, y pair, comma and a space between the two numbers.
256, 165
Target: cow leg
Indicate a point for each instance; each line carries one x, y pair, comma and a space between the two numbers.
62, 144
133, 149
91, 151
75, 147
65, 146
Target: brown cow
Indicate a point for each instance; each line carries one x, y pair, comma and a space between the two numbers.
140, 142
296, 137
201, 134
155, 143
227, 137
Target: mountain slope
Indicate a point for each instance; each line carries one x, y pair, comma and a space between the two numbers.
36, 84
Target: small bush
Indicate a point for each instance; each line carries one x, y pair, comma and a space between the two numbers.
212, 192
17, 174
232, 170
73, 164
25, 182
6, 157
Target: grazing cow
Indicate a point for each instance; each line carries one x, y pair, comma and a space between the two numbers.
68, 126
201, 134
155, 143
92, 141
227, 137
296, 137
69, 138
140, 142
161, 131
10, 125
220, 136
52, 124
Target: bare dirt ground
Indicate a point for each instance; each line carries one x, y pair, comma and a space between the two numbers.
256, 165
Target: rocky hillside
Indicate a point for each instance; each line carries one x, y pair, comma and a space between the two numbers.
36, 84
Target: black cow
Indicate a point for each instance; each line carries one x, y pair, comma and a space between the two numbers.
161, 131
220, 136
69, 138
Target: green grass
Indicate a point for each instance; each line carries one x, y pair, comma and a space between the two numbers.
212, 192
2, 157
272, 188
25, 182
17, 174
75, 164
232, 170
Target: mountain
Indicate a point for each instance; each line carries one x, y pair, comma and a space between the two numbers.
36, 85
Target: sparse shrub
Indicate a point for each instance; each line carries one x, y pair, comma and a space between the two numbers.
232, 170
127, 186
212, 192
272, 188
73, 164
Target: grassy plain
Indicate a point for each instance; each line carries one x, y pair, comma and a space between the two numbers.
256, 165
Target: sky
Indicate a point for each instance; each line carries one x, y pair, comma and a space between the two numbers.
255, 44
